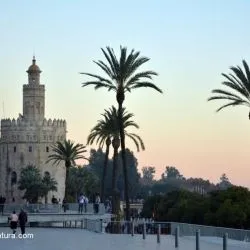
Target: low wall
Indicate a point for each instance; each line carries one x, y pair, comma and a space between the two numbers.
190, 230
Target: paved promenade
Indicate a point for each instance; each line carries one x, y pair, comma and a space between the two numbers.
75, 239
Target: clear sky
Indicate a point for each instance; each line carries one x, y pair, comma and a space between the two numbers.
190, 44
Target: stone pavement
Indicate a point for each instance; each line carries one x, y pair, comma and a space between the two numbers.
78, 239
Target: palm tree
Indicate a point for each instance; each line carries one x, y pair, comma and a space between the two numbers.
239, 82
108, 129
101, 134
122, 77
68, 152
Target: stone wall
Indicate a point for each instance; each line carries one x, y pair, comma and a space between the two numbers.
29, 142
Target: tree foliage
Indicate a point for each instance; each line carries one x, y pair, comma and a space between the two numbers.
34, 185
226, 208
148, 175
172, 172
82, 180
48, 184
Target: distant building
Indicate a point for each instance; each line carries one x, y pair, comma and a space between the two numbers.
28, 139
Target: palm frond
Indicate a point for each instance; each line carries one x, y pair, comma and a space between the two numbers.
101, 79
234, 103
122, 71
67, 152
114, 62
137, 140
109, 127
224, 92
246, 70
105, 68
137, 85
237, 88
237, 81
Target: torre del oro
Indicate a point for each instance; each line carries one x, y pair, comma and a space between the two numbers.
27, 141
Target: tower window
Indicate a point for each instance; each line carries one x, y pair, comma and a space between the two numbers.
30, 148
47, 149
14, 149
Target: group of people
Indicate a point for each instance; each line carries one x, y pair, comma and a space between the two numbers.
14, 219
82, 203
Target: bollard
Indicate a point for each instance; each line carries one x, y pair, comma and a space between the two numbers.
158, 233
133, 228
225, 236
101, 225
144, 231
75, 223
81, 224
197, 239
176, 237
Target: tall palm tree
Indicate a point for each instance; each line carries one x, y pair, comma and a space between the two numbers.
101, 134
239, 82
68, 152
122, 76
108, 129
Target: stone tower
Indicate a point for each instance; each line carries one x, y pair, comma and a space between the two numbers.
28, 139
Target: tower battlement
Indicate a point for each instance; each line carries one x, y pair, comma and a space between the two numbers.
32, 131
16, 124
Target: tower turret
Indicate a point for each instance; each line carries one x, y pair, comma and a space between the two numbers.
34, 73
33, 94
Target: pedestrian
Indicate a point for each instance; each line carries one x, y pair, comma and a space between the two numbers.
81, 203
97, 202
13, 221
86, 201
23, 218
64, 205
1, 204
2, 201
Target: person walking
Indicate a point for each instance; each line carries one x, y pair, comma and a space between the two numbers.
64, 205
13, 221
97, 202
80, 203
2, 201
23, 218
86, 201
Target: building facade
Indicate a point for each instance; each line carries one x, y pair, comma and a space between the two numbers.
27, 140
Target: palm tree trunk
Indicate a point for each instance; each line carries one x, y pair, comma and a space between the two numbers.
114, 179
124, 161
66, 195
104, 173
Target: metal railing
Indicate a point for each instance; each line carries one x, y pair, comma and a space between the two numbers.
191, 229
93, 225
52, 208
152, 227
